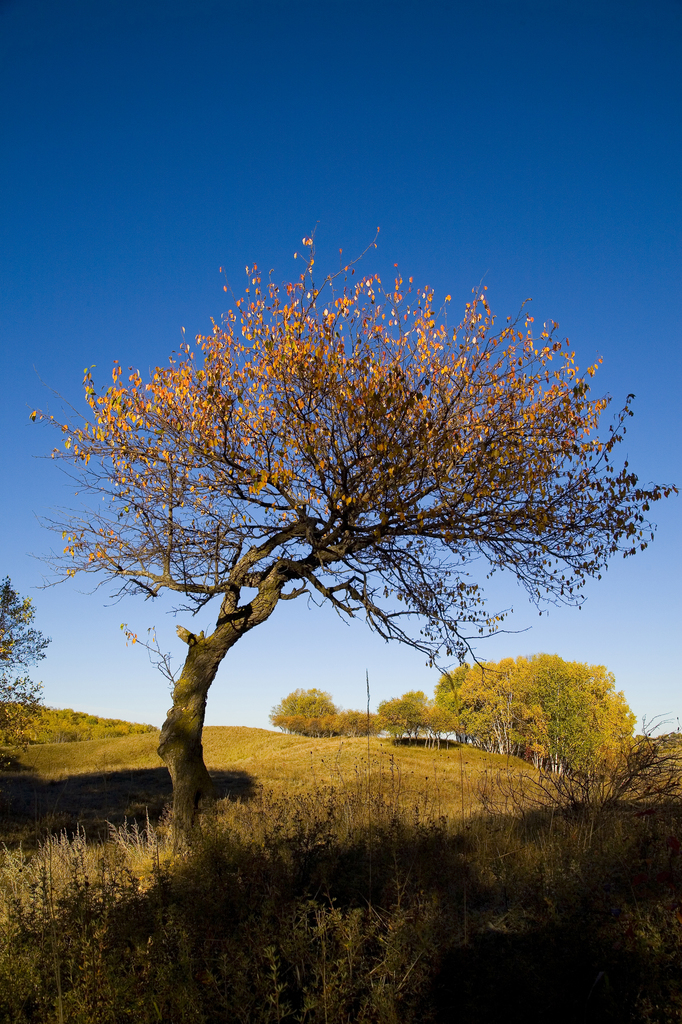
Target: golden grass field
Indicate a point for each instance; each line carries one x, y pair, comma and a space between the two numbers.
274, 757
244, 760
92, 783
334, 880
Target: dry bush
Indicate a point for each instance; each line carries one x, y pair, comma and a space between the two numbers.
366, 896
644, 771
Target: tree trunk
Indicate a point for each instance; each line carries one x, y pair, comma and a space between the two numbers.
181, 747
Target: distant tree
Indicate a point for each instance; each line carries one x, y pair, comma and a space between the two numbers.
349, 444
20, 647
562, 714
494, 707
297, 725
342, 723
440, 722
63, 725
584, 718
404, 716
447, 692
358, 723
311, 703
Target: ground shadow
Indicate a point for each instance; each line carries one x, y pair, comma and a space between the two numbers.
94, 799
11, 762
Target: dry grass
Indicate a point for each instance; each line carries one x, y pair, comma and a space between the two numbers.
285, 764
59, 760
327, 888
96, 781
273, 758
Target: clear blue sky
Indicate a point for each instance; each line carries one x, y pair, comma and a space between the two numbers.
146, 144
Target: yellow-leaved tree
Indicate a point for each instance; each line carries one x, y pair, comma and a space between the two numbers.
560, 714
344, 441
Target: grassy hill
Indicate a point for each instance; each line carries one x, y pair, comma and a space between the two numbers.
64, 725
94, 781
334, 882
276, 757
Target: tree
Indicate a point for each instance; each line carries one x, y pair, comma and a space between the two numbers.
344, 442
405, 715
447, 697
495, 709
20, 646
358, 723
309, 703
306, 712
313, 713
584, 718
440, 722
448, 687
562, 714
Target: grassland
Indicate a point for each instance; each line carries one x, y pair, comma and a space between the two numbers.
331, 883
275, 759
58, 786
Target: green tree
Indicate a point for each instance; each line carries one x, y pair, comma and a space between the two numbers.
312, 703
344, 441
404, 716
584, 718
495, 711
21, 645
561, 714
447, 694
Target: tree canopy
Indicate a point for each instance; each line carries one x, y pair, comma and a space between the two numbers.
405, 715
310, 703
558, 713
313, 712
21, 645
356, 446
346, 442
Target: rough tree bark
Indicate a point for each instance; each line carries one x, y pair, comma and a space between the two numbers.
180, 746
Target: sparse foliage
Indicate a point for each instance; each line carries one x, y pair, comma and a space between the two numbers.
640, 771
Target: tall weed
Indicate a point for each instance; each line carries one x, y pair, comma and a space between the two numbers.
353, 902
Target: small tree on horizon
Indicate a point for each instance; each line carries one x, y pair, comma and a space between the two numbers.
344, 442
404, 716
304, 705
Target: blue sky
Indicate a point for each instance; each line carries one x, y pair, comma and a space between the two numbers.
144, 145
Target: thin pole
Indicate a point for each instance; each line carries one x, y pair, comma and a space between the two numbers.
461, 780
369, 791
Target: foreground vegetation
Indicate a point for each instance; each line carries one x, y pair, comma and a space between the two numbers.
336, 882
